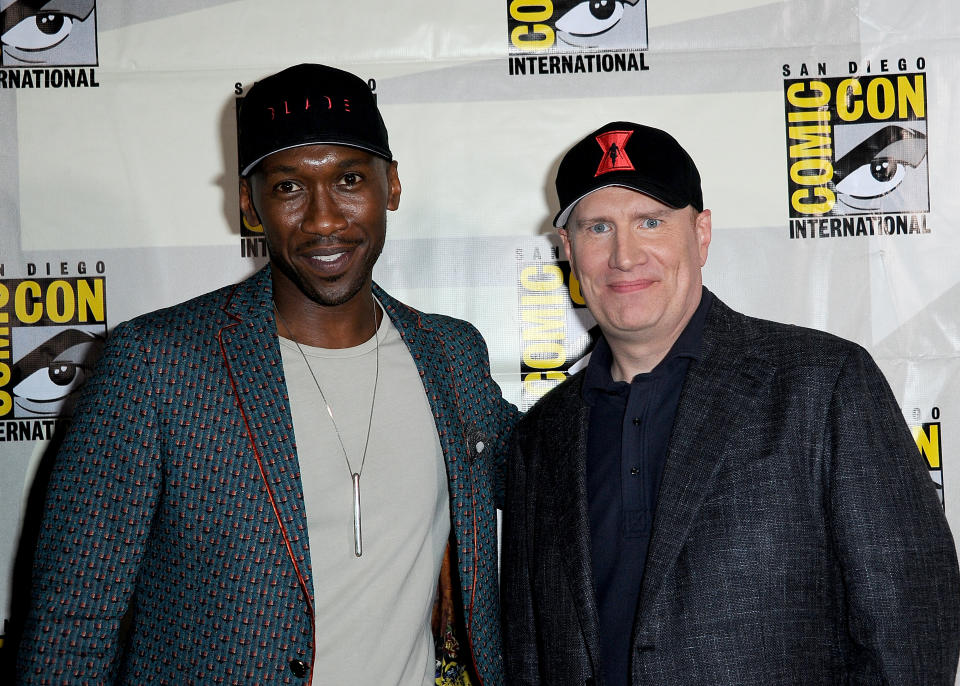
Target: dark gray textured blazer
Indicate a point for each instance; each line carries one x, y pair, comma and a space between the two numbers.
798, 538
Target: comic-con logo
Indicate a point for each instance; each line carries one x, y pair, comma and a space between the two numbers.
557, 331
857, 155
38, 38
51, 332
595, 35
927, 437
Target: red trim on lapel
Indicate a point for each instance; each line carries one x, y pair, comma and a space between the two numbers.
263, 475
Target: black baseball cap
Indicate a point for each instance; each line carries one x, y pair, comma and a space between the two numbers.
309, 104
633, 156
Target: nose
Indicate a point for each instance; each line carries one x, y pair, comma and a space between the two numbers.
324, 216
628, 250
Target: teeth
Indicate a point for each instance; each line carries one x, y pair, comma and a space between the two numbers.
328, 258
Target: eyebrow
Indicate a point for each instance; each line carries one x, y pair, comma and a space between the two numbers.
590, 220
278, 168
357, 162
50, 350
600, 218
342, 164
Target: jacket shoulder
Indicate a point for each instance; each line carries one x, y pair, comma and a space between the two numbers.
189, 316
777, 342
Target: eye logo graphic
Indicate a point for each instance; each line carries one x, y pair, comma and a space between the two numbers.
558, 25
880, 169
46, 377
45, 33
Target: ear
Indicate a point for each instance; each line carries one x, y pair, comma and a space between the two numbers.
249, 212
704, 230
565, 236
567, 248
393, 186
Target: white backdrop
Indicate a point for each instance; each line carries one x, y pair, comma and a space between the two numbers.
825, 132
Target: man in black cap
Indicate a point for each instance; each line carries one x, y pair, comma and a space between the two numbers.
714, 499
277, 479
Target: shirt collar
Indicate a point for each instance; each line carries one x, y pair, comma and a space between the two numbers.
597, 377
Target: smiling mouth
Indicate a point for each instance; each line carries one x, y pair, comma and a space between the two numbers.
329, 258
331, 261
630, 286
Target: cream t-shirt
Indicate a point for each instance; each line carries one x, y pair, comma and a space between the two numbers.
373, 611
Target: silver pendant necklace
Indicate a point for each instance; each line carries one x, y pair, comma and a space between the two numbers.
354, 475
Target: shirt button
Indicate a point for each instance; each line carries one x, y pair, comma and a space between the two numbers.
636, 421
634, 470
299, 668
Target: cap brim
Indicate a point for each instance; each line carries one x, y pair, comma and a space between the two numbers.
373, 151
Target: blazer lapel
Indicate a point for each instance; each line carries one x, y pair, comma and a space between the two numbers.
567, 446
437, 376
251, 355
719, 389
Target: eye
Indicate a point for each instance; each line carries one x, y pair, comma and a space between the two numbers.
879, 164
47, 377
651, 223
877, 177
40, 31
285, 187
591, 17
599, 228
351, 179
51, 383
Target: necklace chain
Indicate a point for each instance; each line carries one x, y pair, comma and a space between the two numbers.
354, 475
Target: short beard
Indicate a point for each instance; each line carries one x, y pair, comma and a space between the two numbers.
337, 297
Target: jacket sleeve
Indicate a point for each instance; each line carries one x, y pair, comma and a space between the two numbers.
100, 503
898, 558
521, 664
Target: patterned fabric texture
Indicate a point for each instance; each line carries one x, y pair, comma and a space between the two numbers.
797, 539
177, 493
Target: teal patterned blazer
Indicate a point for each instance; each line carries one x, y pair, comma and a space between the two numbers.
177, 493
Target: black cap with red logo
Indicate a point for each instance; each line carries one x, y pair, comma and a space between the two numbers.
633, 156
309, 104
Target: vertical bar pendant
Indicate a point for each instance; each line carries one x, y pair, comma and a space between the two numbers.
357, 539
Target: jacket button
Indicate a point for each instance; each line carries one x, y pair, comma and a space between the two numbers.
299, 668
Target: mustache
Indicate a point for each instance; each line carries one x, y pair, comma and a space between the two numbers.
329, 241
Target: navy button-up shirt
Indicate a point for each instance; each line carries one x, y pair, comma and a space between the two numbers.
630, 427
